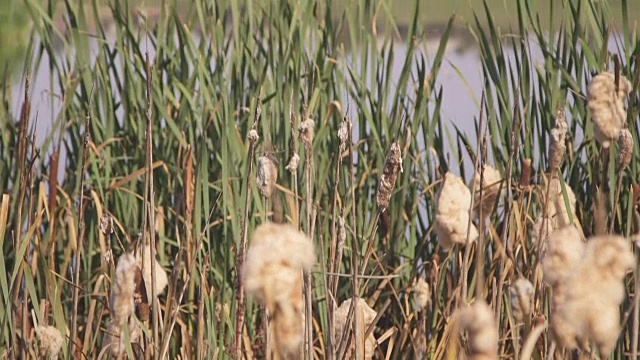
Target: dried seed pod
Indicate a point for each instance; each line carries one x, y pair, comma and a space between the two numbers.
490, 188
387, 181
253, 136
593, 292
625, 149
558, 147
452, 213
343, 133
341, 315
266, 176
606, 104
293, 163
106, 224
49, 341
521, 295
307, 131
272, 274
421, 293
478, 321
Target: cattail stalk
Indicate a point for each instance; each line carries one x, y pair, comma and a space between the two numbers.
307, 131
253, 139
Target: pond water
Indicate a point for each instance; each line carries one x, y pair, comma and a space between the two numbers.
460, 76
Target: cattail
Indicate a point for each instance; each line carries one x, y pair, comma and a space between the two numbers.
452, 213
162, 280
124, 286
490, 188
343, 133
564, 252
556, 206
50, 341
606, 103
253, 136
293, 163
525, 174
421, 294
521, 296
392, 166
272, 274
478, 321
342, 325
625, 149
114, 338
122, 306
557, 147
266, 177
307, 131
593, 291
540, 232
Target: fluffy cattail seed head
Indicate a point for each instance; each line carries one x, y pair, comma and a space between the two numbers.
521, 295
124, 286
564, 252
478, 321
421, 293
266, 176
558, 147
453, 203
592, 293
387, 181
50, 341
143, 260
490, 188
341, 316
253, 136
607, 107
272, 274
625, 149
307, 132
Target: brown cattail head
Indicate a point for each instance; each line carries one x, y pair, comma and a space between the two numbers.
558, 147
452, 213
421, 293
525, 174
387, 181
490, 188
606, 103
272, 274
521, 295
342, 325
49, 341
592, 293
266, 176
625, 149
307, 132
478, 321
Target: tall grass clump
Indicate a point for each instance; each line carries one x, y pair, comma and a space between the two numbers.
278, 179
